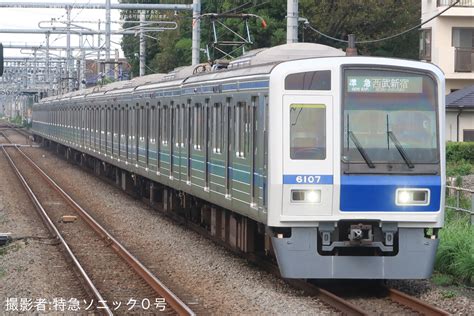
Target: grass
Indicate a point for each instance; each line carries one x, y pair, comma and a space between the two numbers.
455, 254
458, 168
448, 294
441, 279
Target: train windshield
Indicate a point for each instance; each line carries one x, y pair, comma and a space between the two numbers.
390, 120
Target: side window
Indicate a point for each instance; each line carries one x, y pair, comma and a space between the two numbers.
308, 131
198, 126
164, 125
153, 125
311, 80
182, 125
177, 126
242, 126
103, 121
217, 128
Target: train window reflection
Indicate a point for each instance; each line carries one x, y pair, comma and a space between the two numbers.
308, 131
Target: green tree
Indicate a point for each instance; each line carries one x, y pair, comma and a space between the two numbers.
367, 19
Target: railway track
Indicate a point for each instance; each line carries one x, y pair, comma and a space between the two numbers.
373, 298
380, 300
19, 135
110, 274
4, 139
386, 300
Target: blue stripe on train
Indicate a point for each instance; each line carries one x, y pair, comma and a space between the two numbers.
376, 193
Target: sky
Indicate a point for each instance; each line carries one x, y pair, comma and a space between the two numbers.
18, 18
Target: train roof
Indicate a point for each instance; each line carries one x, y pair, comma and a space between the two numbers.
254, 62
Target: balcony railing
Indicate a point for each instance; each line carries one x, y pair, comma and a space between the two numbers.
462, 3
464, 59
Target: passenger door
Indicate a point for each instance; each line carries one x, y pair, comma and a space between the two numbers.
307, 156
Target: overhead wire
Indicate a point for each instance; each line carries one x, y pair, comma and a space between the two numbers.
308, 25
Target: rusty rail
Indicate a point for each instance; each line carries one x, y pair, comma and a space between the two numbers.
55, 232
176, 304
414, 303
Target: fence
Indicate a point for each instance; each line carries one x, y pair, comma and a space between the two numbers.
460, 193
462, 3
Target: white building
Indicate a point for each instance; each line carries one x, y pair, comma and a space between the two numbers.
460, 115
448, 40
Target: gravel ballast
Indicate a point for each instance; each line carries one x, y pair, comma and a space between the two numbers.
31, 267
200, 272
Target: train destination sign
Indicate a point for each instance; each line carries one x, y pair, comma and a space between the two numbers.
384, 84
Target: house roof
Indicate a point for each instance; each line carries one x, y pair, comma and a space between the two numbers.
463, 98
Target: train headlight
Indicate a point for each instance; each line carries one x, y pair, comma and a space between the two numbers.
306, 196
405, 197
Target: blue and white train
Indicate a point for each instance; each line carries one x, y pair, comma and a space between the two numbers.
333, 163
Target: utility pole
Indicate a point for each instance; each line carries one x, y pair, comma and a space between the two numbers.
83, 64
33, 78
48, 74
142, 51
69, 53
98, 52
107, 36
116, 65
196, 37
292, 22
351, 47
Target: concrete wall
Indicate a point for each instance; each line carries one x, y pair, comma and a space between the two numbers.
442, 51
466, 121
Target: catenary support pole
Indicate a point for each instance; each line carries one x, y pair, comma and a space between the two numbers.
142, 51
82, 77
99, 51
292, 22
196, 40
107, 37
48, 73
68, 50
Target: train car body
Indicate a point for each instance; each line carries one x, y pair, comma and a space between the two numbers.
340, 158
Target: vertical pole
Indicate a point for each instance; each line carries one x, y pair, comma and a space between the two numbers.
48, 70
33, 77
83, 64
68, 49
98, 51
196, 41
116, 71
292, 22
472, 208
107, 37
142, 52
351, 47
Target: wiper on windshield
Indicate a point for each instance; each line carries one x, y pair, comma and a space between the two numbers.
400, 149
399, 146
361, 150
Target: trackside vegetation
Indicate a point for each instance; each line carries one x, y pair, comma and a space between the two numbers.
455, 256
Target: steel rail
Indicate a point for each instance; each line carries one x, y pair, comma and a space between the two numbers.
55, 232
176, 303
339, 303
330, 299
5, 136
415, 303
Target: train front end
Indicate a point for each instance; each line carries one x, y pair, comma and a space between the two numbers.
356, 187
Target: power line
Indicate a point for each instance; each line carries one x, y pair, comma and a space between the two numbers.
383, 38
